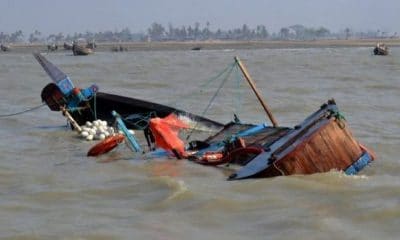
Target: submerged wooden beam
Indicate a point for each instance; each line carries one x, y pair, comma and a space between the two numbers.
258, 95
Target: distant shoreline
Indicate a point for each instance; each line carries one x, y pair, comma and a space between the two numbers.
218, 45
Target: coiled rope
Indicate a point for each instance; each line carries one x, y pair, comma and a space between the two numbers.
22, 112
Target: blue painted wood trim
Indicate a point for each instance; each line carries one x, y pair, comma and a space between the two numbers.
131, 139
65, 86
358, 165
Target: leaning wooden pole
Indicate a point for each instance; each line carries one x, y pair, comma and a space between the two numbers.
253, 86
71, 119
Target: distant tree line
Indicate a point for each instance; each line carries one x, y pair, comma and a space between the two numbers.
157, 32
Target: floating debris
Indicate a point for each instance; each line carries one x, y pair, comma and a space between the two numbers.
96, 130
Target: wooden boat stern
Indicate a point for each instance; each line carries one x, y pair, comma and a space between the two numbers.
321, 143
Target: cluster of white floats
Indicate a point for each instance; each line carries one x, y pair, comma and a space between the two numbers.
98, 130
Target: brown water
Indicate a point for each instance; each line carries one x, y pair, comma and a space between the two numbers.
49, 189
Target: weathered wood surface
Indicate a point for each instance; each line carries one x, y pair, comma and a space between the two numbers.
331, 146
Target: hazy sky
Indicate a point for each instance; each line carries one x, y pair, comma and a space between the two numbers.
69, 16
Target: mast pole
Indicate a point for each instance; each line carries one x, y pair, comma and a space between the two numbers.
253, 87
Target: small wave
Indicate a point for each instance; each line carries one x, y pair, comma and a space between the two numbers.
382, 87
178, 187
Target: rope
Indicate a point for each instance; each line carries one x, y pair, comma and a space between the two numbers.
22, 112
339, 117
216, 93
142, 121
204, 85
95, 105
229, 71
277, 168
94, 113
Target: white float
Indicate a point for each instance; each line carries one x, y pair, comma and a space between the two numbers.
98, 130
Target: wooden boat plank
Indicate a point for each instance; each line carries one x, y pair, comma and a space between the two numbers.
342, 143
354, 142
322, 148
336, 152
334, 155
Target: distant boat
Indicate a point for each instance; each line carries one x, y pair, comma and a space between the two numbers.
381, 49
52, 47
80, 48
119, 48
5, 48
196, 48
67, 46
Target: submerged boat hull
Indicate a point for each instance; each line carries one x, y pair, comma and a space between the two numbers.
89, 104
135, 112
321, 143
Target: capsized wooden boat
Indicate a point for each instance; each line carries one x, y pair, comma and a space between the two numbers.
89, 104
381, 49
322, 142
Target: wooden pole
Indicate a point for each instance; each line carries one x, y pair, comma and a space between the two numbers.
253, 87
71, 119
